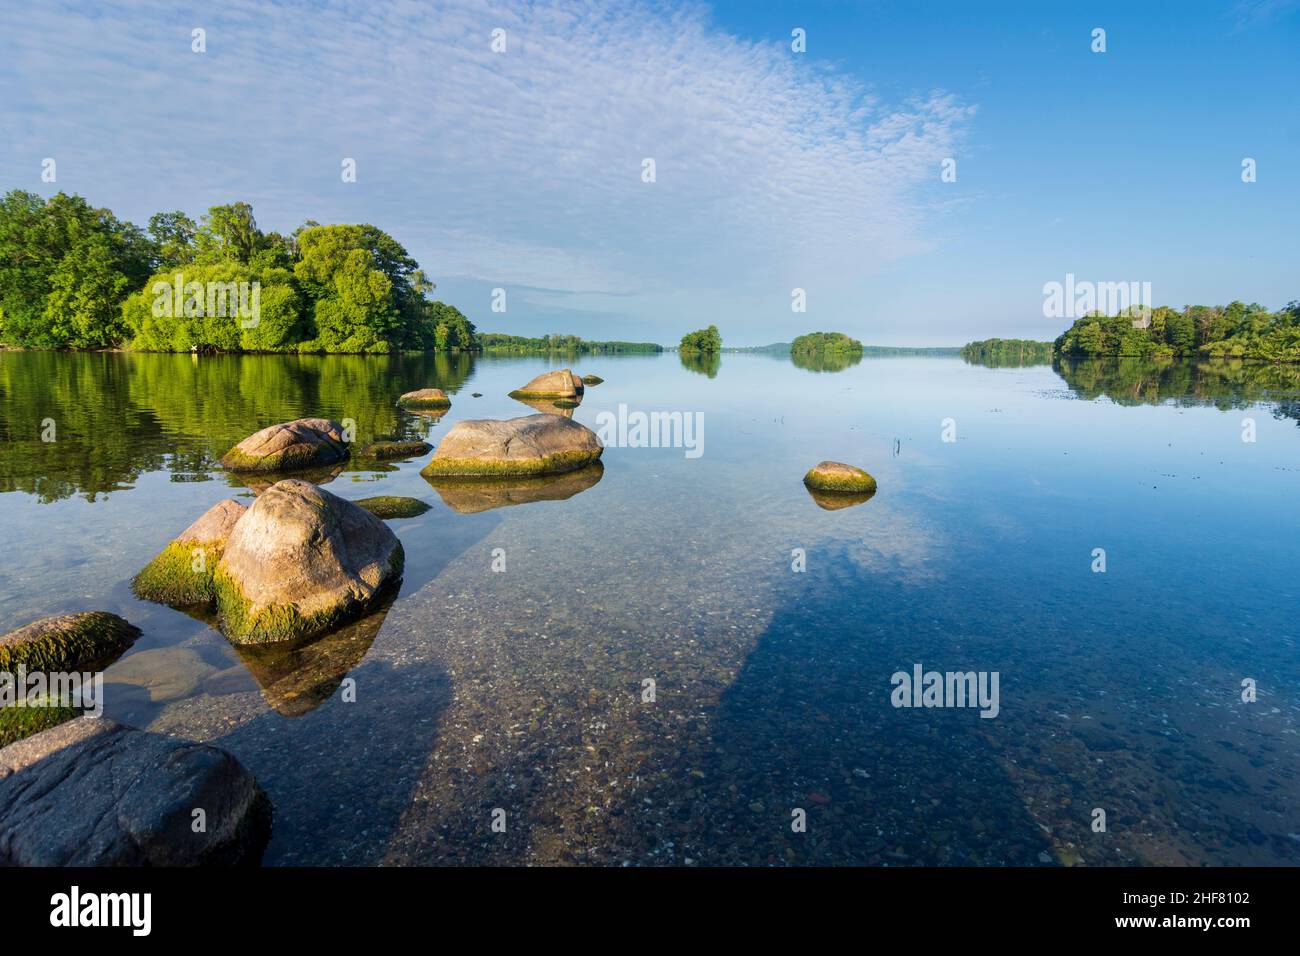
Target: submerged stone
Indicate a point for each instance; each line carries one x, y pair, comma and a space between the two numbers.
533, 445
181, 574
392, 506
99, 793
387, 450
591, 380
303, 443
85, 641
425, 398
836, 476
301, 561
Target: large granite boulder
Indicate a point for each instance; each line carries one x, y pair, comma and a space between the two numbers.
562, 383
299, 562
532, 445
425, 398
304, 443
181, 574
92, 792
836, 476
85, 641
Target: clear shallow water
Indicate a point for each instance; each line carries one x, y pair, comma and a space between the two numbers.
522, 690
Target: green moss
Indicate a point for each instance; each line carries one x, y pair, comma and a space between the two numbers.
591, 380
393, 506
860, 483
424, 402
17, 723
170, 578
521, 394
565, 403
291, 459
282, 622
550, 465
396, 449
90, 639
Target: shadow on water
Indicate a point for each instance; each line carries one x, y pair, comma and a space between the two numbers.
808, 724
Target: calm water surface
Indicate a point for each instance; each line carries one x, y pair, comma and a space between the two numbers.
523, 690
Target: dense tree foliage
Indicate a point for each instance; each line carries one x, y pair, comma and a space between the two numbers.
500, 342
708, 341
1007, 352
73, 277
825, 343
1236, 330
65, 268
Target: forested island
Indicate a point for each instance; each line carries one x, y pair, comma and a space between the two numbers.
702, 341
825, 343
1235, 330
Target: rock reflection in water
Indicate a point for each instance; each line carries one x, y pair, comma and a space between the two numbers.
258, 483
836, 500
297, 679
548, 406
472, 495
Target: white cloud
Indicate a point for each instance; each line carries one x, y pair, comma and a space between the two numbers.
517, 168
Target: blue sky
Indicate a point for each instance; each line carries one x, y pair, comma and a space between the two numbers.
774, 170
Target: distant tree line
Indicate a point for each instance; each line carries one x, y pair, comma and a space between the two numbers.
997, 352
500, 342
76, 277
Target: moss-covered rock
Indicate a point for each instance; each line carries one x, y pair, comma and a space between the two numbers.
393, 506
592, 380
182, 572
389, 450
533, 445
835, 476
17, 723
300, 562
289, 446
85, 641
425, 398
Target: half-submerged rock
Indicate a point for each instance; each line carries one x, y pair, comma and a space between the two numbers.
835, 476
393, 506
92, 792
562, 383
532, 445
304, 443
85, 641
299, 562
182, 572
425, 398
389, 450
591, 380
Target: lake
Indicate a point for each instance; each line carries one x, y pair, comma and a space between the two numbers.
647, 679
